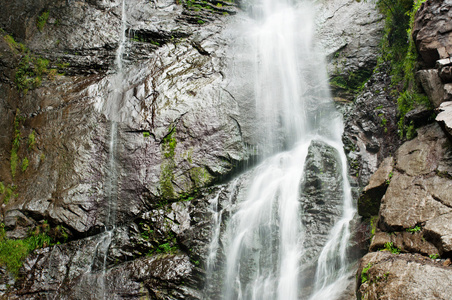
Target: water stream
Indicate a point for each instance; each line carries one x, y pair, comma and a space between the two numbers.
264, 241
93, 280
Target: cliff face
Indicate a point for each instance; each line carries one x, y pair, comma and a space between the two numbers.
124, 193
183, 127
410, 248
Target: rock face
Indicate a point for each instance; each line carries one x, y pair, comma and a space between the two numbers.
370, 133
432, 34
411, 235
128, 131
405, 276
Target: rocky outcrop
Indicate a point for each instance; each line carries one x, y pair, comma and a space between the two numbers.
350, 37
432, 34
123, 144
370, 133
383, 275
444, 117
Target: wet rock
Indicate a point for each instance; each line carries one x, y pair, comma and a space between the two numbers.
350, 34
370, 129
400, 276
321, 195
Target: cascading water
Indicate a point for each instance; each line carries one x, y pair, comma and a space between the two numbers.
92, 283
264, 242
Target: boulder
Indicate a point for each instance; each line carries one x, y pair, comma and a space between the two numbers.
419, 188
439, 230
382, 275
444, 117
370, 198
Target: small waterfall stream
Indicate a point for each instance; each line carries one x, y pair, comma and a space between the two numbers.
264, 241
92, 283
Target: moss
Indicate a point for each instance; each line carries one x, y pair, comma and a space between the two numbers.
200, 176
31, 140
13, 252
16, 143
24, 164
31, 68
373, 225
41, 21
166, 180
353, 82
168, 146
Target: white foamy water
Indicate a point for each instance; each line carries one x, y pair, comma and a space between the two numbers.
264, 238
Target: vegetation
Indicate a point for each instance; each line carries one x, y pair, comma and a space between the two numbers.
41, 21
16, 143
399, 53
24, 164
353, 82
31, 140
166, 173
434, 256
14, 251
389, 246
416, 228
31, 68
364, 273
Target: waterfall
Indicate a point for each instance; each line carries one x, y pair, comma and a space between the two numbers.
91, 284
264, 241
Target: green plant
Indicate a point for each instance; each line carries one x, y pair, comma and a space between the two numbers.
14, 251
365, 274
16, 143
31, 140
2, 188
416, 228
373, 225
42, 20
399, 52
147, 231
24, 164
389, 246
146, 134
434, 256
11, 42
166, 248
9, 193
389, 177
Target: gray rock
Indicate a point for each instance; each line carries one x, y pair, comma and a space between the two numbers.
370, 133
439, 230
350, 33
382, 275
405, 241
445, 116
432, 31
370, 198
